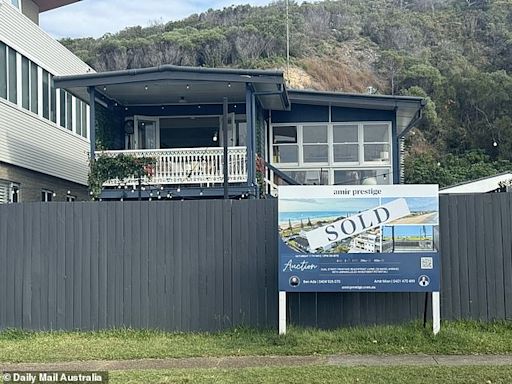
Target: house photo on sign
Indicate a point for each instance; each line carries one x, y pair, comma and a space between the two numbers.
359, 238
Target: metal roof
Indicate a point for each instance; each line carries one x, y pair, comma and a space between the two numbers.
481, 185
408, 108
169, 84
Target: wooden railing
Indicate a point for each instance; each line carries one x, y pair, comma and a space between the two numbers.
187, 165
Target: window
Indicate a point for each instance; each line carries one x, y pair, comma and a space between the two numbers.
376, 142
34, 88
73, 115
70, 198
46, 195
315, 148
9, 192
53, 100
46, 95
15, 193
335, 153
62, 103
3, 70
12, 71
25, 83
306, 177
29, 85
362, 176
69, 111
285, 146
346, 143
16, 3
78, 116
84, 119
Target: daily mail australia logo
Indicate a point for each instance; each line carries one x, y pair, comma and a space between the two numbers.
356, 224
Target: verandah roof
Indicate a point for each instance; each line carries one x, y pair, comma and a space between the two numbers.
169, 84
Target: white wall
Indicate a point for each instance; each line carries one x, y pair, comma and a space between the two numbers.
40, 145
29, 140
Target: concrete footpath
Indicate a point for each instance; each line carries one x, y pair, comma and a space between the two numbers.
264, 361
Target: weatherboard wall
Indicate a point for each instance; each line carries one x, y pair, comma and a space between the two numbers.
212, 264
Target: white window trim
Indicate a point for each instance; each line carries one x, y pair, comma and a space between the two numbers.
19, 7
11, 192
332, 166
47, 192
330, 138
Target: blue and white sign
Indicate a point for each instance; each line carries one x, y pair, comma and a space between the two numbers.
379, 238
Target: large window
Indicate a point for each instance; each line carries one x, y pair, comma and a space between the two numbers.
34, 90
16, 3
337, 153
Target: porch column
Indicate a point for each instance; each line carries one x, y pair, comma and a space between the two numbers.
251, 134
395, 149
92, 120
225, 145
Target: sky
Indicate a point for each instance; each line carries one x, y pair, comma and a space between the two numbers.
94, 18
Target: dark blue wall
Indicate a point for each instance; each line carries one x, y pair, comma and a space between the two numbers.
318, 113
302, 113
340, 114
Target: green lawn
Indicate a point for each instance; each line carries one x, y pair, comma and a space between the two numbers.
323, 375
454, 338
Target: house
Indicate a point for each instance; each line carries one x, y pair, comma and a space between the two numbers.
184, 118
44, 132
498, 183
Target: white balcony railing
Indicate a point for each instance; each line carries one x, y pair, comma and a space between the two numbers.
187, 165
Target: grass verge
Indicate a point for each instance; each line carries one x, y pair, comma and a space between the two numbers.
454, 338
323, 375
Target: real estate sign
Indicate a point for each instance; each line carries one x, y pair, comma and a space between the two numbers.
379, 238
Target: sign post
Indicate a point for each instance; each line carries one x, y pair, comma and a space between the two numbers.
379, 238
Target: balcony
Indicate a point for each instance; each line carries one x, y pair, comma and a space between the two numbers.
186, 166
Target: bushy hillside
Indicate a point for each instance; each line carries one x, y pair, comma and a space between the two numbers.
456, 53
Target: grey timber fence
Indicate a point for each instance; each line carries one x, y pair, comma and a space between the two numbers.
212, 264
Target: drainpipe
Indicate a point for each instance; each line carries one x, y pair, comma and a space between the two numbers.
92, 120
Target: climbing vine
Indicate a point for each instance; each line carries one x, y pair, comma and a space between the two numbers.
120, 167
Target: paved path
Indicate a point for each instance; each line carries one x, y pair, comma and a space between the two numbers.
263, 361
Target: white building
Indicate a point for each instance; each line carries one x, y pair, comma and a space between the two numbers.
43, 130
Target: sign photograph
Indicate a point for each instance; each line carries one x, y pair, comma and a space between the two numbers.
359, 238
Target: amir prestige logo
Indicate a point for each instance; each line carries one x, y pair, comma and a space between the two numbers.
356, 224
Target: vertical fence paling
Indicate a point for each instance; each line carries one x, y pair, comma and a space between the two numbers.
209, 265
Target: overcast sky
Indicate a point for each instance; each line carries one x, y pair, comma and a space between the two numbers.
97, 17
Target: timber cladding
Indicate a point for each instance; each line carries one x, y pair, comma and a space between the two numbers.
212, 264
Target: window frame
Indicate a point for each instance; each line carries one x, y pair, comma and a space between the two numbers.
44, 101
330, 144
47, 195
